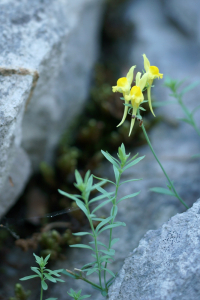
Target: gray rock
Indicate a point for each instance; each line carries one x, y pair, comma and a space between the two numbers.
56, 41
185, 15
166, 264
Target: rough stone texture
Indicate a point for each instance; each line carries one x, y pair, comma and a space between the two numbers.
57, 40
166, 264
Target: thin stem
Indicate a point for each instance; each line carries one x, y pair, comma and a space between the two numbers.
110, 239
95, 240
187, 113
41, 292
171, 184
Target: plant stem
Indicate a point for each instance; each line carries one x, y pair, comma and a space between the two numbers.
95, 240
41, 292
110, 239
187, 113
171, 184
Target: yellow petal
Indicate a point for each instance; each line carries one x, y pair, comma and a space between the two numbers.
146, 63
143, 81
124, 116
149, 99
129, 75
133, 119
114, 89
137, 78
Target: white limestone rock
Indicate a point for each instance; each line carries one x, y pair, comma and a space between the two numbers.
56, 41
166, 264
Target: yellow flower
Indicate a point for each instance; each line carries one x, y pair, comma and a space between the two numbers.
137, 96
123, 86
153, 73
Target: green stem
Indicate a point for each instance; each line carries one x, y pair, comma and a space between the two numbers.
110, 239
95, 240
41, 292
171, 184
187, 113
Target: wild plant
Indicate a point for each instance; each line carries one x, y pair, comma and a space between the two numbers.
103, 254
44, 274
133, 98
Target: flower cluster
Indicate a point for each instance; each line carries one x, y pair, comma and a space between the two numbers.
135, 94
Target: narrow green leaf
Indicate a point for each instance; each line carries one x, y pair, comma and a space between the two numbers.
68, 195
114, 241
29, 277
88, 265
87, 175
46, 258
142, 108
108, 227
99, 243
111, 252
116, 172
114, 211
60, 280
78, 177
103, 223
130, 180
38, 259
49, 277
34, 269
101, 205
109, 271
105, 257
161, 190
44, 285
54, 272
92, 270
190, 87
81, 233
128, 196
100, 197
99, 178
131, 159
133, 162
82, 206
110, 159
97, 185
82, 246
96, 288
110, 281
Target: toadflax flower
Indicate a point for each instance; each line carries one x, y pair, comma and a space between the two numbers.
123, 86
153, 73
137, 96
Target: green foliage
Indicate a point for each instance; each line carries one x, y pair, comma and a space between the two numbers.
103, 254
44, 274
77, 296
174, 86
